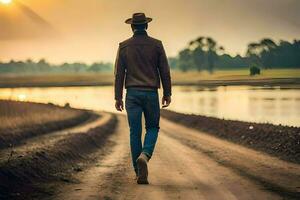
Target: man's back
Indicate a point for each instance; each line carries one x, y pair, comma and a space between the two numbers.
142, 62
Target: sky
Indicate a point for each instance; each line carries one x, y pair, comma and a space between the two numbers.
90, 30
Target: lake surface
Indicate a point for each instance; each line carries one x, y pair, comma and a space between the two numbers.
246, 103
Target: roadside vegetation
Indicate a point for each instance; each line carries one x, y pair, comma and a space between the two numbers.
276, 140
21, 120
43, 157
178, 78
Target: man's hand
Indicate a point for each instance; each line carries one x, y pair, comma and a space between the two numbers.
166, 101
119, 105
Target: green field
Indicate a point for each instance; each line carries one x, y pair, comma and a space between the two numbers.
235, 75
178, 78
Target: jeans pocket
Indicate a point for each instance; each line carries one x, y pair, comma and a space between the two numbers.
153, 98
131, 101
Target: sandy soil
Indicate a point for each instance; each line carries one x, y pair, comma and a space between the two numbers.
24, 120
33, 169
35, 143
277, 140
187, 164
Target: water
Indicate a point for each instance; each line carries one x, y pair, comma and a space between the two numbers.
256, 104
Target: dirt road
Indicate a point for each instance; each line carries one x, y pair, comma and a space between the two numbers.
186, 165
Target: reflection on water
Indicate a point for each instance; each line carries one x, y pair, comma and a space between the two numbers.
258, 104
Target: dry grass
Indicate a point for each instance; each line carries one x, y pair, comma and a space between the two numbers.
108, 78
21, 120
17, 115
234, 75
57, 79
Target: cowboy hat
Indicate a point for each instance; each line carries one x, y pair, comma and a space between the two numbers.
138, 18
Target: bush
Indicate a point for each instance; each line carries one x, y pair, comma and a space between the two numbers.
254, 70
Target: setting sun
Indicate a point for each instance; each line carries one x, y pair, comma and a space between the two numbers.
5, 1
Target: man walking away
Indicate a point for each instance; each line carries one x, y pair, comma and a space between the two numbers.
142, 63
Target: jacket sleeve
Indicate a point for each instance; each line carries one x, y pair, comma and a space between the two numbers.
164, 71
119, 73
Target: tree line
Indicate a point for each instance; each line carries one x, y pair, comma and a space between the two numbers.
42, 66
204, 53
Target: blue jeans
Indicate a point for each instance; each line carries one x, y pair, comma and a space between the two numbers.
137, 102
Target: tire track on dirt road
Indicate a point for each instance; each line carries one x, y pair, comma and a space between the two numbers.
53, 158
105, 179
34, 143
176, 171
273, 174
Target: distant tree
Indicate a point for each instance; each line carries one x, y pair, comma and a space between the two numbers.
64, 67
200, 51
268, 54
100, 67
16, 66
43, 65
185, 61
173, 62
254, 70
79, 67
29, 62
197, 52
212, 53
253, 54
288, 54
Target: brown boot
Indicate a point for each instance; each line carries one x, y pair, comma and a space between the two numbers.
142, 169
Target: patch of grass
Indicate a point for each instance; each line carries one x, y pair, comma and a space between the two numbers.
100, 79
18, 115
242, 74
57, 79
21, 120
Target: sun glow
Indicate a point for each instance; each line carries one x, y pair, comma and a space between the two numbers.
5, 1
22, 97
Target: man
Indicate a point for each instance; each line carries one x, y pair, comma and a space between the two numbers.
142, 63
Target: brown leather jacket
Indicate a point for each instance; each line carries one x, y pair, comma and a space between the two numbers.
142, 62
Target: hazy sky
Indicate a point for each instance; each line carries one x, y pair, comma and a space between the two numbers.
90, 30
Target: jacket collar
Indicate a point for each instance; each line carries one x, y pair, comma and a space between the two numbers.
138, 32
